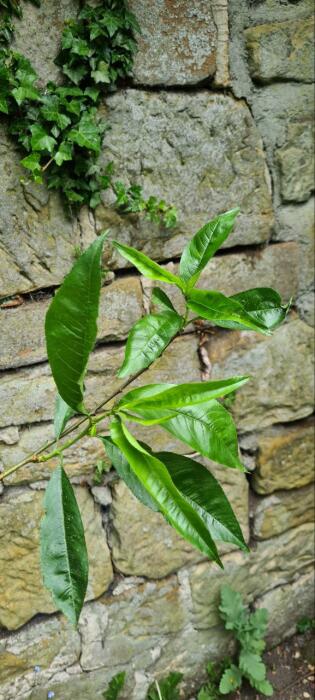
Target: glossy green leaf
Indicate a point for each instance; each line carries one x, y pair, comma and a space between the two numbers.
63, 413
41, 141
147, 340
231, 680
64, 153
70, 325
263, 305
86, 133
183, 394
207, 428
64, 558
159, 298
204, 244
156, 480
206, 495
146, 266
125, 472
222, 310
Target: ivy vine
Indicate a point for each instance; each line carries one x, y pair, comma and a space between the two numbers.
58, 127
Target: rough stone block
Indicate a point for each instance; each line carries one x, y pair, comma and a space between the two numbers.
200, 151
283, 510
286, 605
22, 327
281, 51
22, 592
296, 162
268, 397
285, 458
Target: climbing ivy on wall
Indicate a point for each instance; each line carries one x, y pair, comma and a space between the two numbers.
58, 127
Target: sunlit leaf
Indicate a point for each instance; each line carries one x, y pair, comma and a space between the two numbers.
147, 340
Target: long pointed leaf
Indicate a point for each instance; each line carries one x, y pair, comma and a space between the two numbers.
155, 478
205, 494
204, 245
125, 472
222, 310
64, 558
70, 325
146, 266
263, 305
159, 298
63, 413
147, 340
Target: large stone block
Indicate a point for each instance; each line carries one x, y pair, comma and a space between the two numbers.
22, 327
268, 397
285, 458
281, 50
283, 510
200, 151
22, 592
273, 563
296, 162
286, 605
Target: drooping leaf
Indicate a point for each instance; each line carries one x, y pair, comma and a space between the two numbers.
180, 395
64, 153
63, 413
231, 680
156, 480
147, 340
125, 472
204, 245
64, 559
70, 325
207, 428
206, 495
222, 310
146, 266
159, 298
115, 686
263, 305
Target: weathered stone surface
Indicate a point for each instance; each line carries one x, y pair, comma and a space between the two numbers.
283, 510
275, 562
53, 645
22, 593
281, 50
269, 397
178, 42
22, 328
296, 162
41, 47
287, 605
200, 151
285, 458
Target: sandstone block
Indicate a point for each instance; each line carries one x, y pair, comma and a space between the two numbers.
283, 510
296, 162
281, 50
22, 592
287, 605
285, 458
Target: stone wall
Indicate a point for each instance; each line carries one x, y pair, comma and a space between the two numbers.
218, 114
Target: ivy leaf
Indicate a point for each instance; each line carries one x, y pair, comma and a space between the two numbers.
155, 478
32, 162
231, 680
70, 325
86, 133
206, 495
75, 73
101, 74
146, 266
25, 92
159, 298
147, 340
222, 310
41, 141
204, 245
111, 22
115, 686
63, 413
64, 559
64, 153
125, 472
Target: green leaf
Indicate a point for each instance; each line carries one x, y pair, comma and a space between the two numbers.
86, 134
168, 689
263, 305
204, 245
75, 73
221, 310
32, 162
101, 74
64, 558
159, 298
64, 153
263, 687
231, 680
251, 665
147, 340
180, 395
25, 92
206, 495
125, 472
156, 480
70, 325
232, 609
208, 429
115, 686
63, 413
146, 266
41, 141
